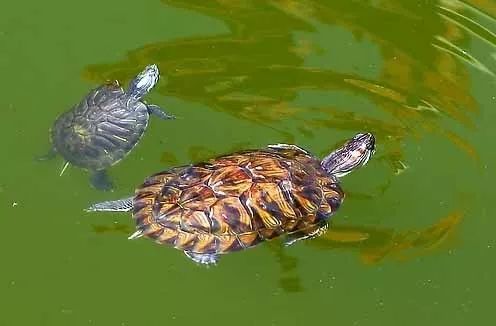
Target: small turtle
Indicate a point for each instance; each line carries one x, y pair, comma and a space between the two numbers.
105, 126
236, 201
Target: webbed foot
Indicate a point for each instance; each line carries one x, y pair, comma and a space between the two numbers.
159, 112
48, 156
101, 181
204, 259
311, 232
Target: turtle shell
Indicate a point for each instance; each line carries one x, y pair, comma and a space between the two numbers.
102, 129
236, 201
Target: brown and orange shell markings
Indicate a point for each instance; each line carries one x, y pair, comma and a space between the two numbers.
236, 201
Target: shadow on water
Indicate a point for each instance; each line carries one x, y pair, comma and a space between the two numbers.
257, 70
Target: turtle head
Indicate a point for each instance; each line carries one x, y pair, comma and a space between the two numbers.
144, 82
354, 153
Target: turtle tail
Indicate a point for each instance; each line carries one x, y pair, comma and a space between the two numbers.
120, 205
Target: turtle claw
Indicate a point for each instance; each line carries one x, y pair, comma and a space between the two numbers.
136, 235
204, 259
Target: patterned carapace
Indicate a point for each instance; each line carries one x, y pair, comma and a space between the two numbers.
236, 201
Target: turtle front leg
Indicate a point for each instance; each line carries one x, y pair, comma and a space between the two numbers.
311, 232
159, 112
204, 259
101, 181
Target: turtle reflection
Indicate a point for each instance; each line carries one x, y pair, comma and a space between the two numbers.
258, 69
372, 245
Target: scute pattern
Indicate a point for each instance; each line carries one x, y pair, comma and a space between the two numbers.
101, 130
236, 201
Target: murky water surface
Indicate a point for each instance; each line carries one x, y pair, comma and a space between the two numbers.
414, 242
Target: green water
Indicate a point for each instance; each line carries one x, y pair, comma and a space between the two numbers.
413, 244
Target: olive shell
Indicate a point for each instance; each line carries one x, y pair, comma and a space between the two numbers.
101, 130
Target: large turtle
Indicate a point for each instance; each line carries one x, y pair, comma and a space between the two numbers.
105, 126
236, 201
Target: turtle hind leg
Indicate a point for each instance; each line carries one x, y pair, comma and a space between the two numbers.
120, 205
52, 152
101, 181
204, 259
310, 232
159, 112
